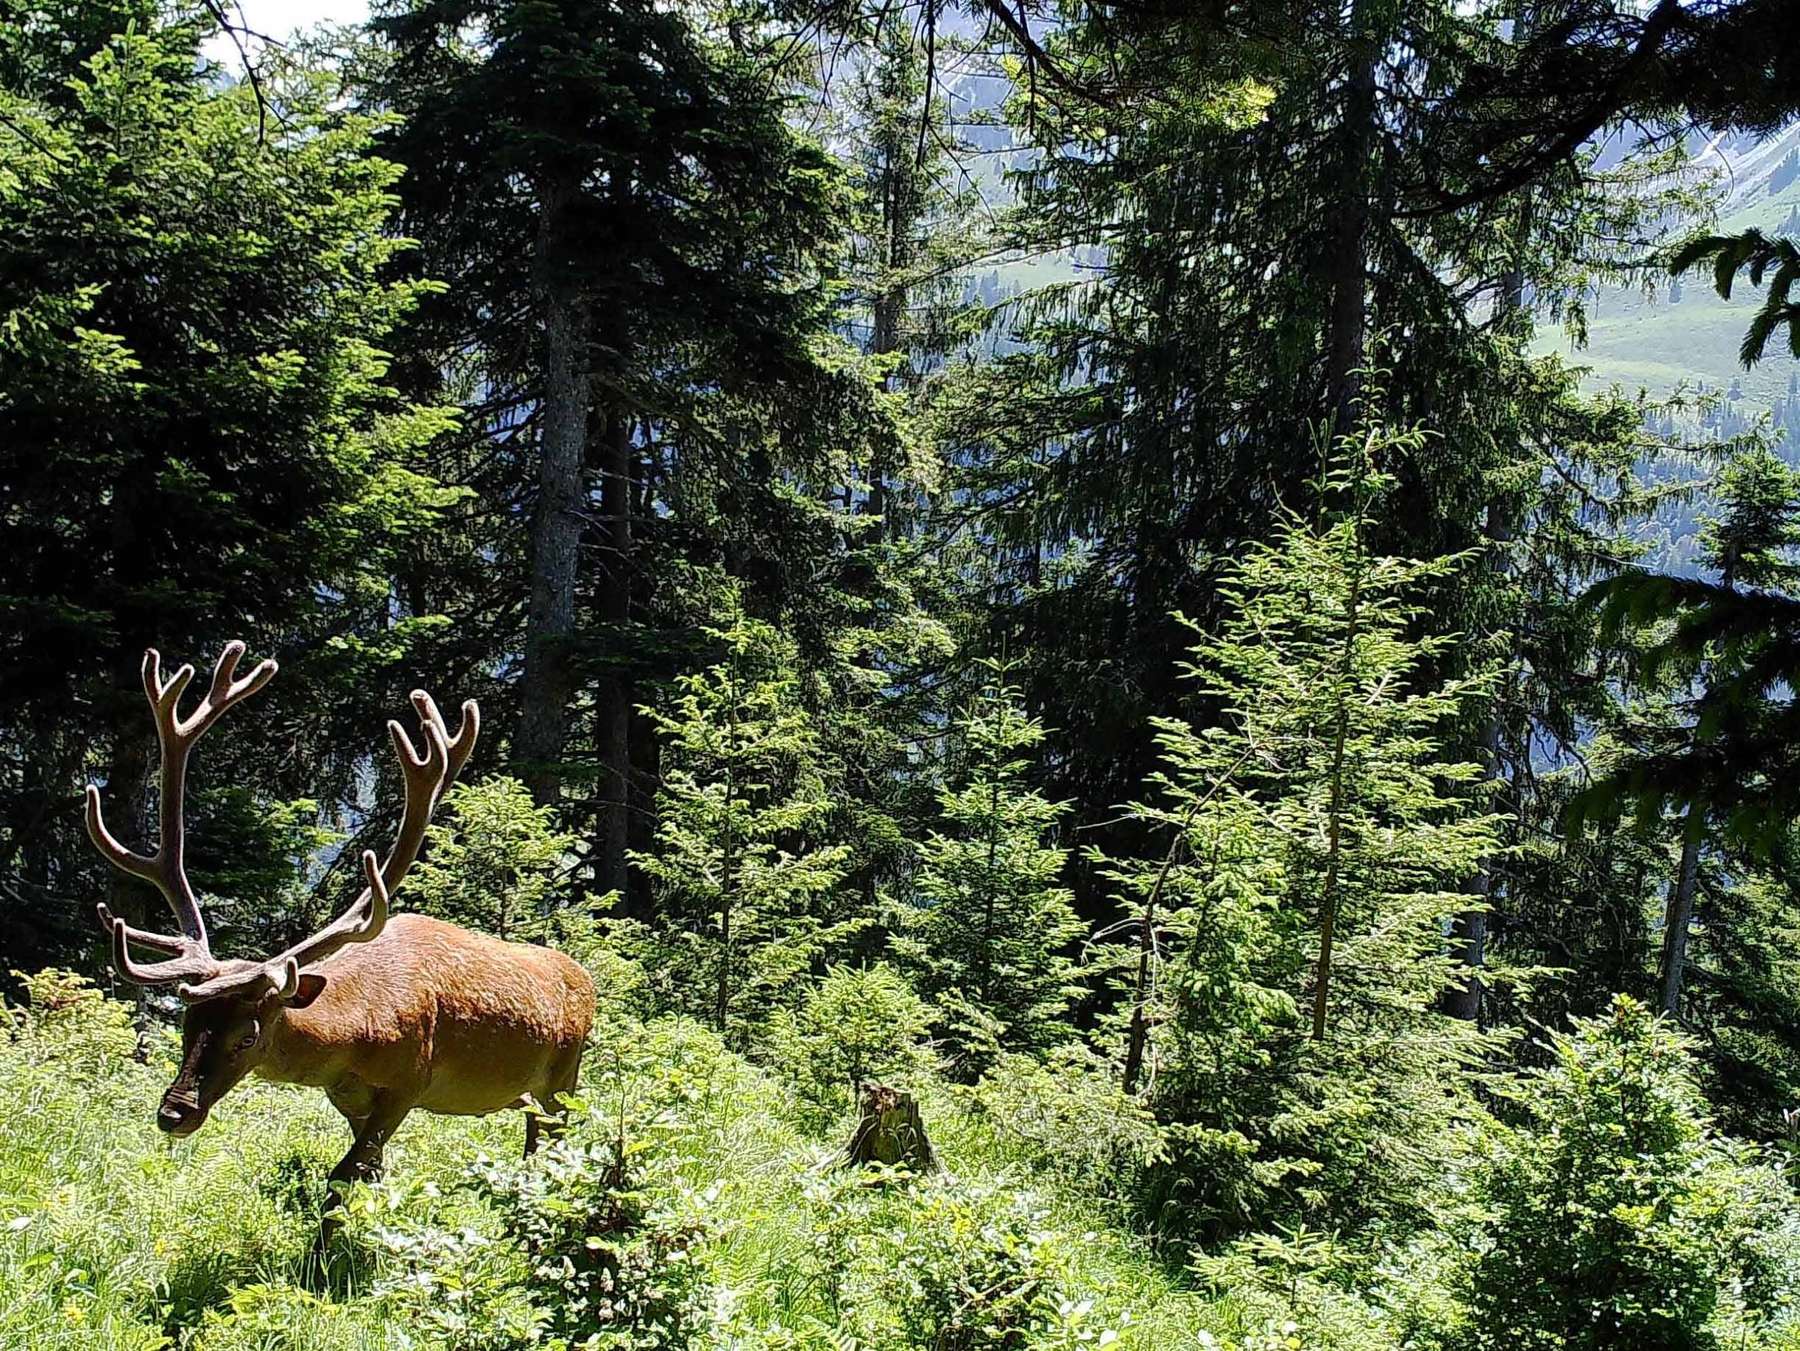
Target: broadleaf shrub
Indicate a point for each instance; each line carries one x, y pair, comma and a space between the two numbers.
1618, 1220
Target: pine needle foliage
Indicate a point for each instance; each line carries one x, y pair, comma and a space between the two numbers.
993, 939
1754, 254
1284, 961
1725, 646
1617, 1218
744, 881
495, 862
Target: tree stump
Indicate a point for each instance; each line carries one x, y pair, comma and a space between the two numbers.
890, 1131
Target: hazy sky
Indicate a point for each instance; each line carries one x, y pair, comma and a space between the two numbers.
278, 18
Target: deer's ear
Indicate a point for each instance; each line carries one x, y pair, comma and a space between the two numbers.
311, 987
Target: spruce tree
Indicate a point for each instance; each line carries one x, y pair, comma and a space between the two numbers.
636, 243
1699, 755
1266, 211
992, 939
710, 244
495, 861
198, 439
745, 883
1283, 963
1614, 1216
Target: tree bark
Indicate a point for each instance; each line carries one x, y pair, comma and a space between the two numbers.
728, 867
900, 210
889, 302
616, 696
1137, 1036
128, 813
1334, 820
132, 760
1345, 354
1469, 929
545, 686
1680, 912
889, 1130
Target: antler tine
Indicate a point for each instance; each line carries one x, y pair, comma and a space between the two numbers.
224, 690
361, 922
192, 962
164, 694
458, 748
125, 860
426, 775
165, 869
142, 937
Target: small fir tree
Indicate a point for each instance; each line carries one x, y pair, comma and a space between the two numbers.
991, 943
494, 862
1284, 959
860, 1025
1614, 1217
743, 878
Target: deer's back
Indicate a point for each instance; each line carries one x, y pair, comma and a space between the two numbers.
469, 1020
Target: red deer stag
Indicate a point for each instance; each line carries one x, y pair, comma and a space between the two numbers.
385, 1016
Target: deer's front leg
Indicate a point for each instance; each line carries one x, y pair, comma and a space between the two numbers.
363, 1161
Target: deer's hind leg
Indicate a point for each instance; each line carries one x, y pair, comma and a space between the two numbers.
547, 1116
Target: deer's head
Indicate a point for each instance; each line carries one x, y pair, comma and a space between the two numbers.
224, 1038
234, 1005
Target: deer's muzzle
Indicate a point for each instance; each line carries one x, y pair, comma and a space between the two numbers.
179, 1116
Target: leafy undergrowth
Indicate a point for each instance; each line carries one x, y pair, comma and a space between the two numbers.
695, 1201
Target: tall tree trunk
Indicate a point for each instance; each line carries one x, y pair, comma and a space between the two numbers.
728, 864
638, 899
1468, 930
1680, 912
1345, 354
616, 697
1137, 1035
556, 526
1328, 905
898, 210
1334, 817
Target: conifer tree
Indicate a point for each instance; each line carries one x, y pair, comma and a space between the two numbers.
711, 246
1702, 738
198, 435
494, 861
1266, 211
1616, 1217
992, 939
638, 245
1284, 963
744, 880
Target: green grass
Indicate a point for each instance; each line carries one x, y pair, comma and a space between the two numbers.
1647, 343
112, 1235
